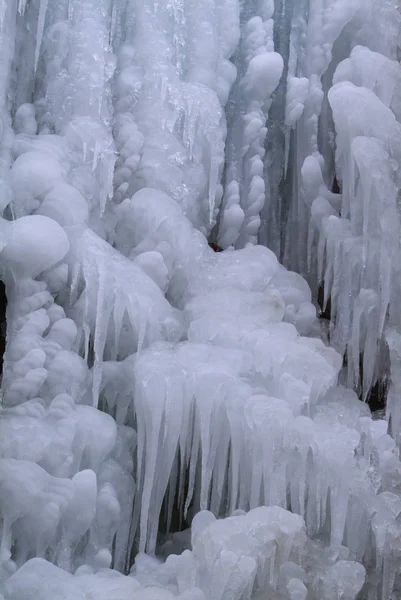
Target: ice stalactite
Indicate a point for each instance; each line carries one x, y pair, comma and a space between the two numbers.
343, 238
358, 233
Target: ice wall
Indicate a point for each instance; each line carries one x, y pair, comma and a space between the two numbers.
171, 421
331, 169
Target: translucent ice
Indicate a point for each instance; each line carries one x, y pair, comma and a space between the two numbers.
165, 387
32, 244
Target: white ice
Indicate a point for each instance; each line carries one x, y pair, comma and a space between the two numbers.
177, 422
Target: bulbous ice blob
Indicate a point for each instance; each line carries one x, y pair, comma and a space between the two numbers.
53, 146
263, 74
312, 178
32, 501
64, 332
343, 580
33, 244
33, 174
81, 508
152, 264
56, 278
25, 119
296, 96
249, 269
40, 579
201, 520
64, 204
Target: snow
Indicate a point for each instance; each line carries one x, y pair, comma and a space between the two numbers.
178, 422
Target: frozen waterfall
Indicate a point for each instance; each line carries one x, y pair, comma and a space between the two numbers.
178, 422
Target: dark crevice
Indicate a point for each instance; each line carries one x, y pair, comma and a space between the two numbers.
215, 247
335, 188
3, 323
325, 311
377, 398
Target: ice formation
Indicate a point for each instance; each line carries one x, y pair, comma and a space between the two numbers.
176, 422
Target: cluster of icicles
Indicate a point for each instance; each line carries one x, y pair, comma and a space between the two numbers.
150, 384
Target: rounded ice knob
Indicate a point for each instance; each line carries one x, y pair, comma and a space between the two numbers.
263, 75
25, 119
33, 244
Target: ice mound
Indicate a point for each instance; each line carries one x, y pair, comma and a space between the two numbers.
262, 552
151, 222
32, 245
40, 579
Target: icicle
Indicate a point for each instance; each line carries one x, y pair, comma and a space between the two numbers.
22, 7
40, 29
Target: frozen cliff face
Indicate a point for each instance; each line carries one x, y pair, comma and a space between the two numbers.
172, 423
332, 158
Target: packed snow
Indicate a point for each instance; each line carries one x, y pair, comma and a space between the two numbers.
178, 422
